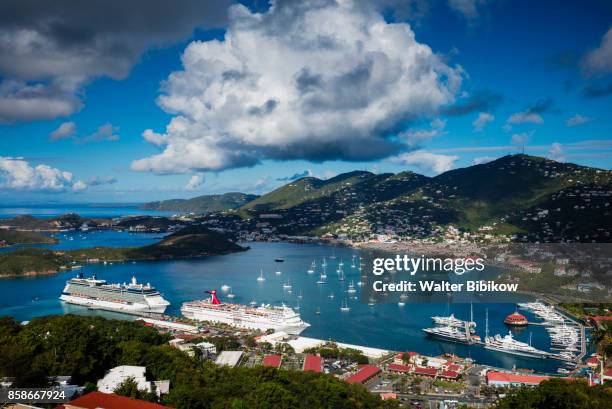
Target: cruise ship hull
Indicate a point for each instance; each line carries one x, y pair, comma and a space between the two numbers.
291, 326
128, 308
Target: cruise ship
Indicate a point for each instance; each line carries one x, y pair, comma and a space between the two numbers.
262, 318
451, 334
509, 345
131, 298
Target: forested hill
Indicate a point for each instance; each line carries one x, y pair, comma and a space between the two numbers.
202, 204
520, 196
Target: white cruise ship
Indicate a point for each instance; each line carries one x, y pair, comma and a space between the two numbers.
509, 345
262, 318
129, 298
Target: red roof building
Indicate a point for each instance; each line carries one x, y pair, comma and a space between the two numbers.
426, 371
449, 374
273, 361
388, 395
516, 319
364, 374
453, 367
99, 400
313, 363
593, 361
399, 358
510, 379
399, 368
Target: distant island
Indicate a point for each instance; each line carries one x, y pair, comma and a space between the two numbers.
190, 242
12, 237
202, 204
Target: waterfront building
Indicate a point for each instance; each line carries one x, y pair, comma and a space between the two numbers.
516, 319
399, 368
365, 374
425, 371
504, 379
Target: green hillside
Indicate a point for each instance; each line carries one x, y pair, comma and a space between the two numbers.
202, 204
522, 197
190, 242
10, 237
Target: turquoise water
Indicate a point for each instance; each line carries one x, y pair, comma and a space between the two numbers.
384, 325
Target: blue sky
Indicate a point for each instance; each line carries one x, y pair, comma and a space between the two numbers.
537, 75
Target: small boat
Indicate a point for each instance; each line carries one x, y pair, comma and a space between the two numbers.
323, 273
318, 311
279, 260
300, 296
321, 279
225, 287
261, 277
253, 303
278, 272
312, 267
331, 295
401, 304
344, 307
351, 288
231, 294
287, 285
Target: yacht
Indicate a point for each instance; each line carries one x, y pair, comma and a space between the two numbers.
509, 345
351, 288
344, 307
261, 277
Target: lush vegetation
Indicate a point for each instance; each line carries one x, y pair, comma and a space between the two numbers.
559, 394
31, 261
202, 204
192, 241
331, 350
85, 347
10, 237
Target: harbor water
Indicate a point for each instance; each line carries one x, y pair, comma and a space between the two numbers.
388, 326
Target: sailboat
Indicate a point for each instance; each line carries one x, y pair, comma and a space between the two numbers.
231, 294
351, 288
353, 262
318, 311
287, 285
341, 262
344, 307
331, 295
324, 273
322, 278
313, 265
333, 256
341, 277
261, 277
300, 296
278, 272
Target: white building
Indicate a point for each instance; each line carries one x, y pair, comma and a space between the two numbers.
229, 358
117, 375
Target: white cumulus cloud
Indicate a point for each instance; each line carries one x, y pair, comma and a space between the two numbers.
429, 162
482, 120
525, 118
319, 81
19, 174
195, 181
